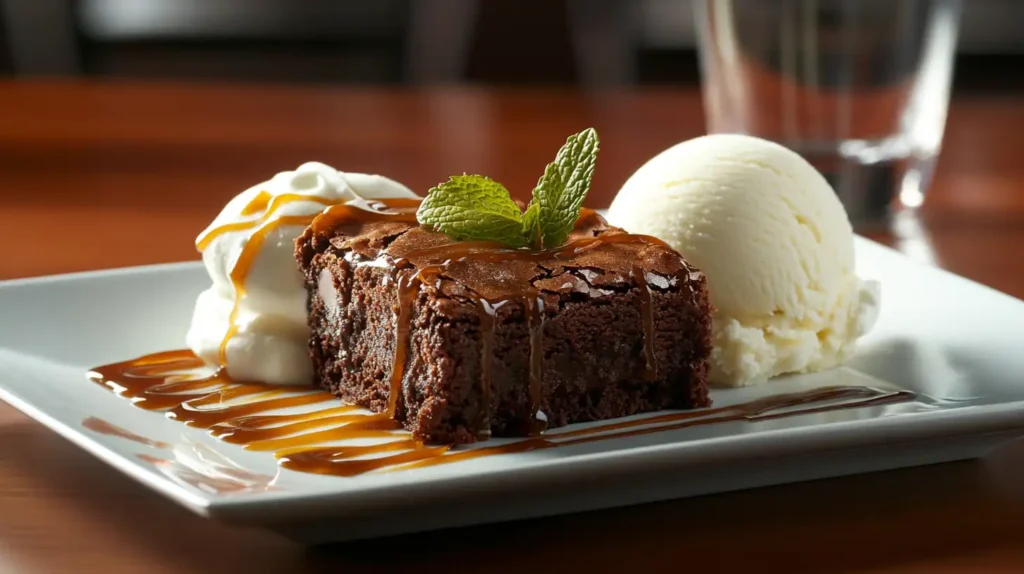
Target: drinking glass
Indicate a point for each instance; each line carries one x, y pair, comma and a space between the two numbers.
858, 87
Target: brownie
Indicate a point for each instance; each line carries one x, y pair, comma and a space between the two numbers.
503, 345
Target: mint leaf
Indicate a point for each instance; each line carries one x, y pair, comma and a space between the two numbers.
473, 208
566, 181
477, 208
531, 225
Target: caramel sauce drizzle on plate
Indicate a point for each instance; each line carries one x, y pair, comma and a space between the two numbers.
242, 413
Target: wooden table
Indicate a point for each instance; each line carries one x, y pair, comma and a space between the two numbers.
107, 175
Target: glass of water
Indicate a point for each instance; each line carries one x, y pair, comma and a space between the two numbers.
858, 87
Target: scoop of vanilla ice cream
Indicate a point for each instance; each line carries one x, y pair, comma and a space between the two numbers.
271, 342
775, 245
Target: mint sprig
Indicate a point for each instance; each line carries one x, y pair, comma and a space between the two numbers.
477, 208
564, 185
531, 225
473, 208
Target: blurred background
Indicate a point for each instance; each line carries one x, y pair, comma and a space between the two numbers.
411, 42
190, 106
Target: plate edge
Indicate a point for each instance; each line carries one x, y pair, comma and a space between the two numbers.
988, 419
109, 271
196, 503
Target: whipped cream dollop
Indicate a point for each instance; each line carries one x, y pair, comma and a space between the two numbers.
259, 315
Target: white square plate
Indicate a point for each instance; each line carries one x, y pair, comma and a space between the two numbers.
954, 343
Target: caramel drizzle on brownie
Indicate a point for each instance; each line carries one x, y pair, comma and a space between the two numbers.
408, 289
238, 413
533, 305
639, 276
531, 301
347, 218
341, 217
